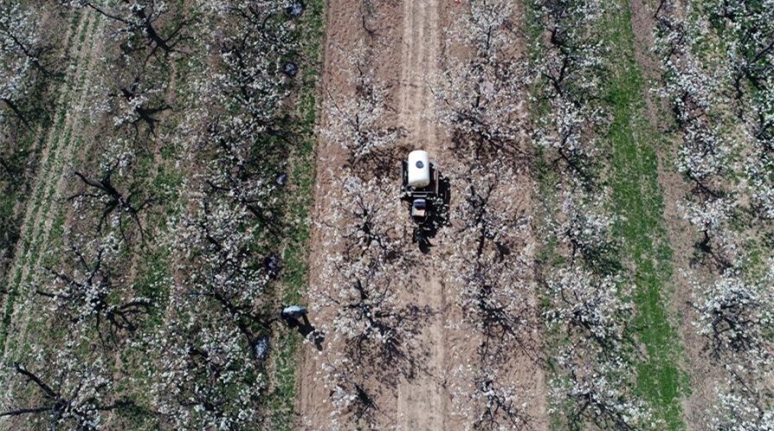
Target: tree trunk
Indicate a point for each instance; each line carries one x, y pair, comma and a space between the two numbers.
17, 111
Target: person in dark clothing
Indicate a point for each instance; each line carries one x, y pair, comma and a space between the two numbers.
293, 312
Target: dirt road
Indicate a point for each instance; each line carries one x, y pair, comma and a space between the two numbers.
422, 403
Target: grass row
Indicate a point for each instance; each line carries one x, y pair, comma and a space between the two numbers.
295, 279
637, 196
43, 246
630, 148
49, 174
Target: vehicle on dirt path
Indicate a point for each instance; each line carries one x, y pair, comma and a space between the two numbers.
421, 190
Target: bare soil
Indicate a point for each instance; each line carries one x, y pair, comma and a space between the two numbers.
422, 404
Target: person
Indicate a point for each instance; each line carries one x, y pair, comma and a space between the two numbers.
293, 312
295, 317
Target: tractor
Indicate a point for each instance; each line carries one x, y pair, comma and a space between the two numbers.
421, 191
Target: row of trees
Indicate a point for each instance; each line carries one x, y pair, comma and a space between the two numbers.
716, 61
369, 261
172, 245
212, 358
490, 267
705, 153
480, 90
371, 334
588, 294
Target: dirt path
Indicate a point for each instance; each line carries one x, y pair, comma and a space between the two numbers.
422, 403
420, 48
313, 400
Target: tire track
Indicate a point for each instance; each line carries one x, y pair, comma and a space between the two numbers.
419, 65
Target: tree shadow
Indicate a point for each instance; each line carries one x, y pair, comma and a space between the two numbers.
710, 255
305, 328
392, 358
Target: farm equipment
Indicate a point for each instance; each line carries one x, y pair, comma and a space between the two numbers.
421, 191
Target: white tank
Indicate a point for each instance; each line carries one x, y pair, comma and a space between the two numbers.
418, 169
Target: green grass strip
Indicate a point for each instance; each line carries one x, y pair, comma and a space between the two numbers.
283, 399
637, 197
